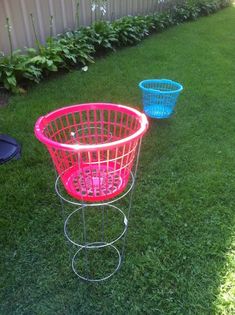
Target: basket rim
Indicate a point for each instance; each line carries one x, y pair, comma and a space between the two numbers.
180, 86
43, 120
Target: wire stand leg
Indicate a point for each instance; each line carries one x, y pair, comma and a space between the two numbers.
102, 233
85, 241
130, 200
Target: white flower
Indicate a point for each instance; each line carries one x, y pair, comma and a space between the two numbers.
85, 69
94, 6
9, 27
103, 9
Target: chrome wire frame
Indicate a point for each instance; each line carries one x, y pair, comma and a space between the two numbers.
86, 246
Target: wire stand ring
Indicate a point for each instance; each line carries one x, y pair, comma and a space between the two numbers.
96, 245
87, 248
77, 203
91, 245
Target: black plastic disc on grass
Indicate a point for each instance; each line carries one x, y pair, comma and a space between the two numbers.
9, 149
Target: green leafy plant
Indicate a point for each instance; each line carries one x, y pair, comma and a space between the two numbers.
47, 60
128, 31
142, 25
163, 20
207, 8
102, 35
149, 20
187, 11
75, 48
15, 68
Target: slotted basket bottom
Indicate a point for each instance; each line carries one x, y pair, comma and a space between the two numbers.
95, 181
159, 111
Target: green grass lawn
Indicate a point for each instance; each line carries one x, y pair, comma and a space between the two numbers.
180, 250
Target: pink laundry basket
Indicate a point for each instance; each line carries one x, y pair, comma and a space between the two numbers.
93, 147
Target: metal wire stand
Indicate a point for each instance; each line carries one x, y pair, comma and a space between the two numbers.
97, 231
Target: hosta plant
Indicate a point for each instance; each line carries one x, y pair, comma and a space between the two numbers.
15, 68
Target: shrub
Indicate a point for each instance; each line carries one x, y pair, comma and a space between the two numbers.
15, 68
102, 35
75, 48
185, 12
130, 30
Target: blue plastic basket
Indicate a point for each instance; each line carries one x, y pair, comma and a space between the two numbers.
160, 97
